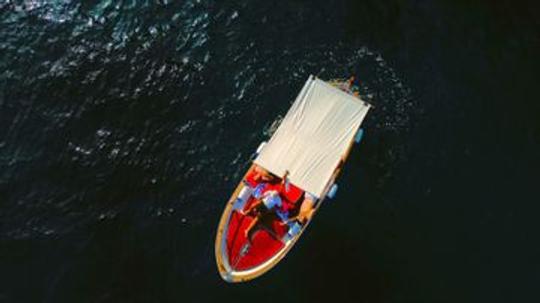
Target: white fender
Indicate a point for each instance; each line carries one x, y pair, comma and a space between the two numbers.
261, 146
258, 151
359, 135
332, 192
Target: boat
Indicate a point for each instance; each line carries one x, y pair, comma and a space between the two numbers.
300, 164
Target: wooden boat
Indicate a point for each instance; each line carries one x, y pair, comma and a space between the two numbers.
309, 147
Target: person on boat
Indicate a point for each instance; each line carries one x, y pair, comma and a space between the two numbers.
256, 181
266, 209
350, 82
262, 178
262, 175
306, 210
347, 85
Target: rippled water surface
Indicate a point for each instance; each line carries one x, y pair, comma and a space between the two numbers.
125, 125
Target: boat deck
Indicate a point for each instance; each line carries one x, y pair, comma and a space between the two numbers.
264, 245
267, 239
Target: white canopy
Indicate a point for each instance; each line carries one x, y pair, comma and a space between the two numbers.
314, 135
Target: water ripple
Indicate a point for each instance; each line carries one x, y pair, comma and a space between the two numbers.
116, 105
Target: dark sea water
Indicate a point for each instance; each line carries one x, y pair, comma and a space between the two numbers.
125, 126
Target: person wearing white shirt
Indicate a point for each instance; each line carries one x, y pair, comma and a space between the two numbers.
265, 209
